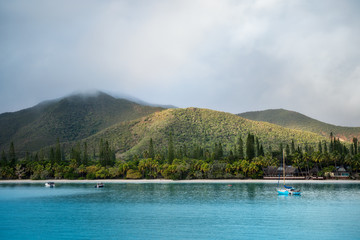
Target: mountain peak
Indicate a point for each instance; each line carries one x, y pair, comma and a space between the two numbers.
71, 118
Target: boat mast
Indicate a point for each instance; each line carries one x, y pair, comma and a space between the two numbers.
284, 165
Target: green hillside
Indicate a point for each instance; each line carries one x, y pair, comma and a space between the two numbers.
69, 119
299, 121
193, 126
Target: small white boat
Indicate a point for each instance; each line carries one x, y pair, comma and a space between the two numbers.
50, 184
99, 185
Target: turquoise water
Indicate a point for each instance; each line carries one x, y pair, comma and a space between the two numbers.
179, 211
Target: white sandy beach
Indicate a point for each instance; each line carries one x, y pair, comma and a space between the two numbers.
225, 181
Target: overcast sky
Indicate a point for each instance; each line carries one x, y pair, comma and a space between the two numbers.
233, 56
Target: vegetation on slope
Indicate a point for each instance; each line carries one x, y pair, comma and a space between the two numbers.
196, 127
91, 138
69, 119
196, 163
185, 144
299, 121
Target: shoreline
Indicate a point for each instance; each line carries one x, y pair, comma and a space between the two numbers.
134, 181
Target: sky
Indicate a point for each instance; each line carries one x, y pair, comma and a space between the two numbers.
233, 56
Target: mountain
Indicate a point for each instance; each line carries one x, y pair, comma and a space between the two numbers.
128, 126
191, 127
70, 119
299, 121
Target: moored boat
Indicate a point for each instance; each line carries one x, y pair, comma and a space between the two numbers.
287, 190
99, 185
50, 184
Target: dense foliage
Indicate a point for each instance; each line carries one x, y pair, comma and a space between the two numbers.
179, 162
175, 143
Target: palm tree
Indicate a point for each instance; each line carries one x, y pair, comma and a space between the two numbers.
297, 162
205, 168
237, 167
253, 168
197, 165
229, 168
142, 167
123, 168
245, 166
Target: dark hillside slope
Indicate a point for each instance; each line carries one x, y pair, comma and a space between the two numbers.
69, 119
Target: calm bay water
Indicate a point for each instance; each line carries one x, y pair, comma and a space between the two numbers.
179, 211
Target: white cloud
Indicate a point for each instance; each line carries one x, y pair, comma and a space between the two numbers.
227, 55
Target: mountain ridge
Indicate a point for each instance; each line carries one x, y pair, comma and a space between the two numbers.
295, 120
70, 118
195, 126
129, 125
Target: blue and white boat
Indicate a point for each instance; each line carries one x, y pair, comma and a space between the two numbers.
287, 190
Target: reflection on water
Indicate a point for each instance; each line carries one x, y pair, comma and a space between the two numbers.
178, 211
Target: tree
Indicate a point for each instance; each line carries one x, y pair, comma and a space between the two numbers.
292, 147
355, 142
261, 151
12, 155
240, 148
185, 151
245, 166
331, 148
52, 155
325, 147
101, 152
171, 149
252, 168
123, 168
231, 157
85, 159
221, 152
257, 145
287, 150
3, 162
57, 152
281, 147
107, 156
218, 151
250, 146
320, 147
36, 157
76, 154
148, 168
151, 149
19, 171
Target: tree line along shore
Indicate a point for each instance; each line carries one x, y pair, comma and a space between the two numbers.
247, 160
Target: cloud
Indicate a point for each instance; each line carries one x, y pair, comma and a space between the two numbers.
233, 56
